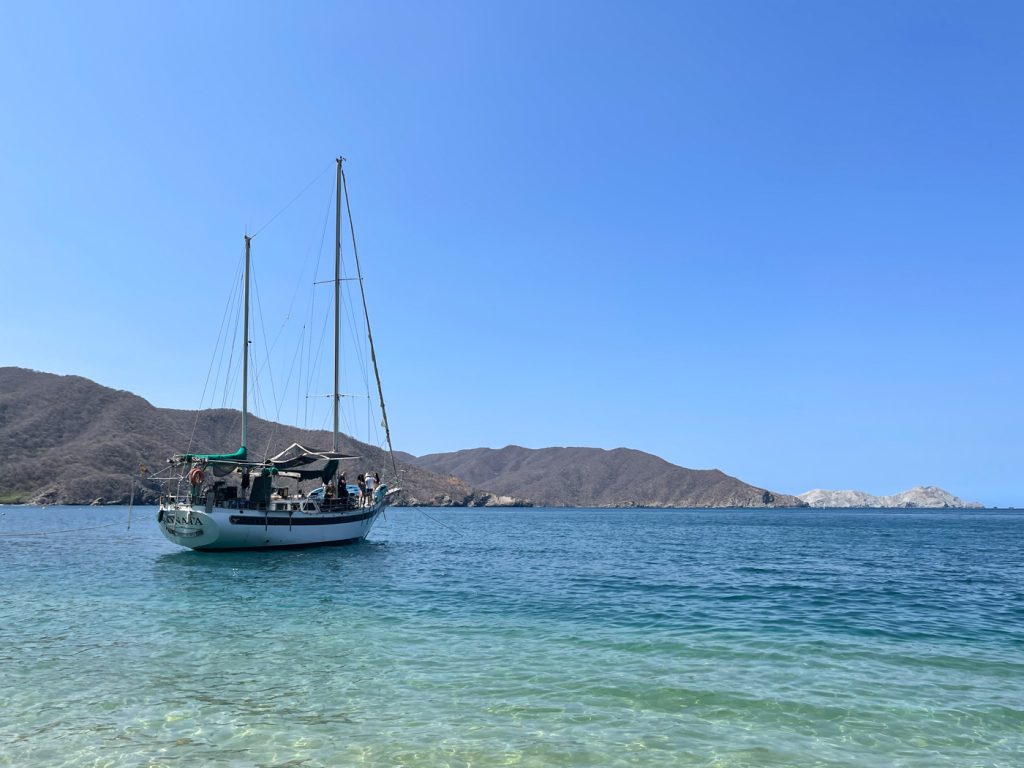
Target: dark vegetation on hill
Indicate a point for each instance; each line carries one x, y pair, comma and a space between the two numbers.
68, 440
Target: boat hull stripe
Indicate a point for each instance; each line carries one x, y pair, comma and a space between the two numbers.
297, 521
306, 545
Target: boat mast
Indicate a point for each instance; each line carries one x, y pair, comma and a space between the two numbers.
245, 353
337, 295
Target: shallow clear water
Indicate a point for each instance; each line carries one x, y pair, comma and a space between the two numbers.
525, 637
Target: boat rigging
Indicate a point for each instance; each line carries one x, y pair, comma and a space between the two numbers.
236, 500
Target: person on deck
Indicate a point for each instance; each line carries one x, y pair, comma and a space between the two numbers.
371, 483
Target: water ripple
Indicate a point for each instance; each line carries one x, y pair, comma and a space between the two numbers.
534, 638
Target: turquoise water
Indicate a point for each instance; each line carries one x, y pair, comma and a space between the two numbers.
528, 638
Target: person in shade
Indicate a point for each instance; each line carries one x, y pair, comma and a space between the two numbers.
361, 482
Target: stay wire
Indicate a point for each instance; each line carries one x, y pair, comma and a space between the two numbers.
312, 362
209, 372
292, 201
62, 530
75, 530
429, 517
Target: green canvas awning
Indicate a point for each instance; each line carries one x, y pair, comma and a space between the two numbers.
238, 457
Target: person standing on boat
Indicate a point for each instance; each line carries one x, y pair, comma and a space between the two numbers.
361, 482
371, 483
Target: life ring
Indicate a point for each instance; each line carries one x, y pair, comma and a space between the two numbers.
196, 476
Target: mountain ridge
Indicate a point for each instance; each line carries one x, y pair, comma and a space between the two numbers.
596, 477
69, 440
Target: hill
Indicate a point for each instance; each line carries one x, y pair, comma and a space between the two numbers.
68, 440
593, 477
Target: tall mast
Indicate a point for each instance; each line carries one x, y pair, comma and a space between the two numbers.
337, 296
245, 353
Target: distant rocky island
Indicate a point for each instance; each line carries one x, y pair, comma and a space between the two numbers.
921, 497
69, 440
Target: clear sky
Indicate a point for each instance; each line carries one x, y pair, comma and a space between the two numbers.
782, 239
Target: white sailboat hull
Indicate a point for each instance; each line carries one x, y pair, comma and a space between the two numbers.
196, 527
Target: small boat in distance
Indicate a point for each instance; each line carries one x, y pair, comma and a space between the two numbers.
227, 501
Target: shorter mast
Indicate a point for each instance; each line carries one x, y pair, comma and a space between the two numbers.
245, 353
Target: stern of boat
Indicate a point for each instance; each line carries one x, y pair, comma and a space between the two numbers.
187, 526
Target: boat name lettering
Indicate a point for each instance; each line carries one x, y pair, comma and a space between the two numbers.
186, 519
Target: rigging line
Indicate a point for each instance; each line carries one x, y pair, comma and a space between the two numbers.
317, 358
279, 403
277, 415
270, 371
62, 530
312, 304
453, 530
301, 270
313, 360
288, 380
307, 363
369, 333
226, 351
303, 345
298, 383
209, 372
358, 343
266, 349
327, 419
213, 357
289, 205
261, 402
231, 376
222, 339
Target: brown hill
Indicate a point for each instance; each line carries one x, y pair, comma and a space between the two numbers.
593, 477
68, 440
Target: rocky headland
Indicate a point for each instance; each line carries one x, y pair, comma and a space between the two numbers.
921, 497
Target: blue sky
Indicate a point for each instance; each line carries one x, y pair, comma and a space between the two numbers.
782, 239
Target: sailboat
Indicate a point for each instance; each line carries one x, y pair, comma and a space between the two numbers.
230, 501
